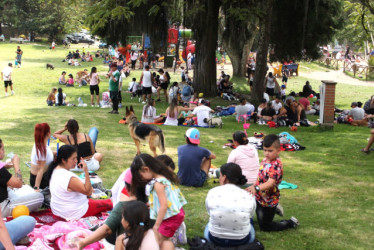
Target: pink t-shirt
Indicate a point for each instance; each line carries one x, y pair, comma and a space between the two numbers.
246, 156
93, 79
71, 81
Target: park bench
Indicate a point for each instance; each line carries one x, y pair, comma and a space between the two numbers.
18, 40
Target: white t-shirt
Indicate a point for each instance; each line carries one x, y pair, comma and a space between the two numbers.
251, 107
133, 87
202, 112
147, 80
134, 56
48, 157
276, 106
66, 204
7, 73
230, 209
150, 114
270, 83
63, 98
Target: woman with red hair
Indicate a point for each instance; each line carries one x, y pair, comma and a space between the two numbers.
41, 157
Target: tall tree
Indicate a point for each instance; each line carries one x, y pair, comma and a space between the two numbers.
204, 17
239, 28
262, 52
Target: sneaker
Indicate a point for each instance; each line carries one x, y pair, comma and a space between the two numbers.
12, 92
6, 93
111, 112
92, 105
294, 221
115, 112
143, 102
279, 210
98, 105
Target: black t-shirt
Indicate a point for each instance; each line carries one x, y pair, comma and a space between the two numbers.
291, 115
4, 178
268, 112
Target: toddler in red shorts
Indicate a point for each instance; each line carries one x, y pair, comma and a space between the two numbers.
165, 198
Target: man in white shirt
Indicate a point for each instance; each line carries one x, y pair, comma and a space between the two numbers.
356, 113
202, 112
276, 104
6, 74
146, 80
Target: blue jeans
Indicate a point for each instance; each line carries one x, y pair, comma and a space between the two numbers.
19, 228
227, 242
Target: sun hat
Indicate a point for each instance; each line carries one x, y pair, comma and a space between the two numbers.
128, 176
193, 135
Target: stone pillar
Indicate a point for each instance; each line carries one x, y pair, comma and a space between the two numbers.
327, 115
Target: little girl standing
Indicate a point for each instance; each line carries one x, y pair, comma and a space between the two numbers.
165, 199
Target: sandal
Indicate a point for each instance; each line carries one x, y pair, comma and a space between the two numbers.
365, 151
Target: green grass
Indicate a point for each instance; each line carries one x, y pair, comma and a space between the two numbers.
334, 200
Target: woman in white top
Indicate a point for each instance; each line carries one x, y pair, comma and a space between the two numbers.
94, 86
230, 210
271, 84
149, 113
68, 192
41, 157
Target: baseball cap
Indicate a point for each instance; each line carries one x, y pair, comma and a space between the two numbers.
193, 135
128, 176
354, 104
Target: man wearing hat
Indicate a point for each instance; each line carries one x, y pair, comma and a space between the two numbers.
193, 161
356, 113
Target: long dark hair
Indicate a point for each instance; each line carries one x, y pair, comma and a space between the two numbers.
64, 153
150, 103
233, 173
136, 213
154, 165
60, 97
93, 70
240, 137
73, 129
166, 160
173, 106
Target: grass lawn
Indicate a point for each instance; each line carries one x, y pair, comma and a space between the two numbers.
334, 200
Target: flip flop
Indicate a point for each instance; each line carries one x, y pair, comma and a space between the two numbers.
365, 151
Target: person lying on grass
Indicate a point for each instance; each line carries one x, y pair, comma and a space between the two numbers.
266, 188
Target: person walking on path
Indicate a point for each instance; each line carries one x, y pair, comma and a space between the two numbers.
6, 74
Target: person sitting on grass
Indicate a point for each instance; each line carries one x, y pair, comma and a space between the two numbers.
68, 192
60, 98
112, 228
62, 79
245, 155
355, 113
202, 112
194, 162
149, 113
242, 109
83, 143
172, 113
70, 82
266, 188
33, 200
230, 210
51, 99
268, 114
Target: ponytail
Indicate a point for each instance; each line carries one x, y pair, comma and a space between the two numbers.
233, 174
240, 137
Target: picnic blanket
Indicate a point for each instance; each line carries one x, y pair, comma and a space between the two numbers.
196, 126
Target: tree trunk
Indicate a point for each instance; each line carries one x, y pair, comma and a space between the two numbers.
261, 57
206, 34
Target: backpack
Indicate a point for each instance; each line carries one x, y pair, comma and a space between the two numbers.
186, 91
286, 138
